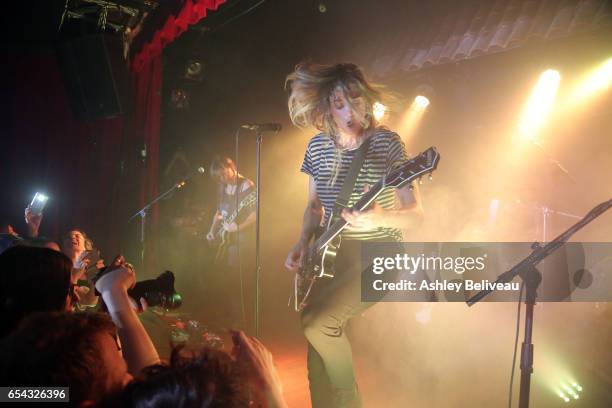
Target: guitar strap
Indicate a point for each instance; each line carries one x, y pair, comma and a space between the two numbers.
349, 182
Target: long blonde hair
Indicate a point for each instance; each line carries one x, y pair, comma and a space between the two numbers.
312, 86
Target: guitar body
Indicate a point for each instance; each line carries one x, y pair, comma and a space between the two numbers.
318, 265
224, 239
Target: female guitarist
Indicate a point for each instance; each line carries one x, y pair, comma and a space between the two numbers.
338, 101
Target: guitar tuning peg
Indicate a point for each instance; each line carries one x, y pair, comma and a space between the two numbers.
420, 181
430, 177
411, 186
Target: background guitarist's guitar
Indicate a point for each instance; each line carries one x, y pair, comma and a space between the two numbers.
319, 262
222, 239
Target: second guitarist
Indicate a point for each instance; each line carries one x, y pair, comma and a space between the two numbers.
232, 230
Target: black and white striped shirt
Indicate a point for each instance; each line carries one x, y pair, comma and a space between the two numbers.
385, 152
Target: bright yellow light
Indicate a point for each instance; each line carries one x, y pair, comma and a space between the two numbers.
598, 80
379, 111
412, 117
540, 104
421, 102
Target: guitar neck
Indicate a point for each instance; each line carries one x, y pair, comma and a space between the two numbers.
425, 162
336, 228
244, 203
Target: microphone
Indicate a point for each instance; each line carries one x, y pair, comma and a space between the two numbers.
181, 183
263, 127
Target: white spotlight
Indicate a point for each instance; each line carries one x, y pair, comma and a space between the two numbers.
379, 111
421, 102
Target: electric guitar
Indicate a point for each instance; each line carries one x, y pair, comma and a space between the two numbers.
319, 262
221, 235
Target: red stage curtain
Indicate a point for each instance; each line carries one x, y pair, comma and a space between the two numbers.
192, 12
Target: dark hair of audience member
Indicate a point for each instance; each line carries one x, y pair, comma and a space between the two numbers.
31, 280
208, 379
62, 349
43, 243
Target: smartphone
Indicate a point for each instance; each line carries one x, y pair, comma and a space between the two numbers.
93, 256
38, 203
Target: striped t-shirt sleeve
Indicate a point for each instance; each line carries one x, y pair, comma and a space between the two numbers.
307, 164
397, 153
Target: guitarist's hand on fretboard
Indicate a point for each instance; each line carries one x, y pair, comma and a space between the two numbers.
295, 258
230, 226
365, 220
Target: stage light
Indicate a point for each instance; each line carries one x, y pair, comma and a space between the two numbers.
601, 78
179, 99
597, 81
577, 386
410, 120
194, 70
379, 111
421, 102
568, 392
539, 104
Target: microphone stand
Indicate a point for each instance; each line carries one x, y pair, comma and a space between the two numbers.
531, 277
259, 131
142, 213
259, 139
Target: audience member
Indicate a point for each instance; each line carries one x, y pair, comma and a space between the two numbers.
61, 349
211, 378
139, 351
6, 227
56, 348
8, 235
32, 279
79, 248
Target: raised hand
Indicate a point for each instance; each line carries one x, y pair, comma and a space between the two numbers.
33, 222
258, 360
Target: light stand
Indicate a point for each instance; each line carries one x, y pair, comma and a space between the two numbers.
546, 212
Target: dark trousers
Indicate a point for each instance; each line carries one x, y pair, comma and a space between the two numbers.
232, 281
334, 303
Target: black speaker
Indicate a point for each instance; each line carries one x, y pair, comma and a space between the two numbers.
96, 76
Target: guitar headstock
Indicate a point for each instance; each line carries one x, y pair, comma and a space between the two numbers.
415, 168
